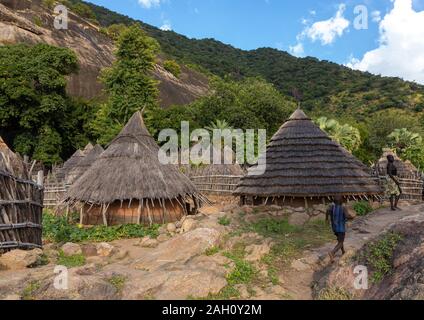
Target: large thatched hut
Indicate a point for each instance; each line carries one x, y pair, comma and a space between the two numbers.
21, 204
128, 184
305, 167
84, 164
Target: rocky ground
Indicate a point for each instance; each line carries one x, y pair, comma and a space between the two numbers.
225, 252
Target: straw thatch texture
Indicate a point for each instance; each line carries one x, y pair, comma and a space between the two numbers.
84, 164
303, 162
129, 170
20, 204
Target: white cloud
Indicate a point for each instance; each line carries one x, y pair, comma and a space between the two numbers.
297, 50
167, 26
376, 16
401, 48
149, 3
328, 30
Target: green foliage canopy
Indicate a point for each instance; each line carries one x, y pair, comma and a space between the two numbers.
36, 115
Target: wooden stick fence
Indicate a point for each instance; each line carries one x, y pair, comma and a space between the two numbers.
219, 185
21, 205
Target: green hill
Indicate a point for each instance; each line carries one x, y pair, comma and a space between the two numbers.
325, 86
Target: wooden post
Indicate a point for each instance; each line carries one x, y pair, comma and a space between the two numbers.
81, 214
104, 215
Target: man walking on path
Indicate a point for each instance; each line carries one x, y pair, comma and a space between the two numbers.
338, 214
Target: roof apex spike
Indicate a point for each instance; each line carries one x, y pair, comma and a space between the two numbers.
299, 115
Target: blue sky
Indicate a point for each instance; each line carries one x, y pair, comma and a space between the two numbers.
321, 28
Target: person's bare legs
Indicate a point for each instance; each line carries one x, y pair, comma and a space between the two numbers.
397, 202
392, 202
339, 246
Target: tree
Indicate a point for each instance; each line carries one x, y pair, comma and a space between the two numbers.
402, 139
173, 67
34, 106
128, 83
408, 145
348, 136
383, 123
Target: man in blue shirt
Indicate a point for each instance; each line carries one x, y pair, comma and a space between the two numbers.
338, 214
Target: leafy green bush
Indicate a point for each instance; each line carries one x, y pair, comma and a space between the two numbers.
362, 208
58, 229
379, 255
173, 67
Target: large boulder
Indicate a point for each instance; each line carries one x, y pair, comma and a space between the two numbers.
188, 225
105, 249
71, 249
180, 249
20, 259
257, 252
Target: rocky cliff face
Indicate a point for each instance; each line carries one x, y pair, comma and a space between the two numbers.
25, 21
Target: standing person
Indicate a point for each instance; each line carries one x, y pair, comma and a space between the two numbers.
392, 185
338, 214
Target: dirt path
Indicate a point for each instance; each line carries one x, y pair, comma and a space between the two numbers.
299, 282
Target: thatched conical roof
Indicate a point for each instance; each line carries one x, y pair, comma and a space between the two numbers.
129, 169
82, 166
72, 161
10, 162
302, 161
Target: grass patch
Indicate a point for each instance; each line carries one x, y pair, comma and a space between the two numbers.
28, 292
118, 281
77, 260
212, 251
59, 229
362, 208
290, 241
334, 293
224, 221
243, 273
379, 255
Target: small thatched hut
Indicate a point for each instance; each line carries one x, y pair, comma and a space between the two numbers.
128, 184
21, 203
305, 167
408, 175
83, 165
404, 170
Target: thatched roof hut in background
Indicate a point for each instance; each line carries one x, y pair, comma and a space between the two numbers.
304, 166
128, 184
227, 167
12, 162
82, 166
404, 169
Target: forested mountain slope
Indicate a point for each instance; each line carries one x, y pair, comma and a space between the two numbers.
325, 86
